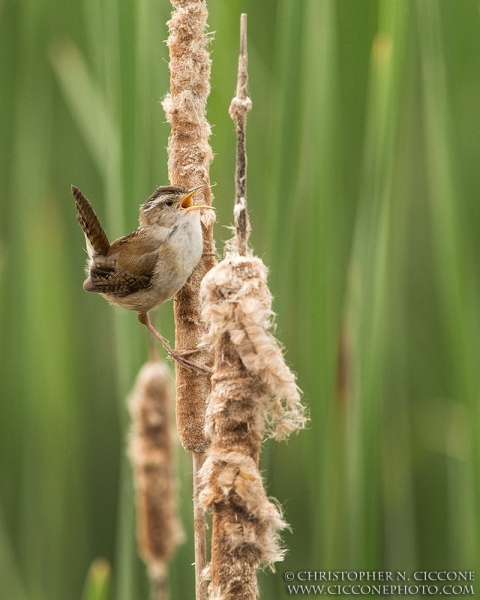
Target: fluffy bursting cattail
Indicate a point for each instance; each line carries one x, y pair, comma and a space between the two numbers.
151, 451
253, 394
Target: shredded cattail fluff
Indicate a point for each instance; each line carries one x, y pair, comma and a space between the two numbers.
237, 301
246, 523
253, 393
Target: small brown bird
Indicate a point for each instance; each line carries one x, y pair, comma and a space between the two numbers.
147, 267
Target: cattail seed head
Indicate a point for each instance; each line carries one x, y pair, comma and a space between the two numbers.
189, 158
151, 451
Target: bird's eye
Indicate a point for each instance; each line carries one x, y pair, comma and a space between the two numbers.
169, 202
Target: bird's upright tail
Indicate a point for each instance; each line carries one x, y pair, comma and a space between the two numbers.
97, 240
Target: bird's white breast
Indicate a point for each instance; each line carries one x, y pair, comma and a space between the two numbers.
179, 251
180, 254
188, 241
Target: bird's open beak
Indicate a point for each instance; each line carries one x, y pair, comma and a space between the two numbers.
187, 202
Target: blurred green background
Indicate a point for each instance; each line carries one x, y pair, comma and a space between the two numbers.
363, 148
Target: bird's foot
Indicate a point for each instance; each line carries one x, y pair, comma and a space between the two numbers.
188, 352
177, 355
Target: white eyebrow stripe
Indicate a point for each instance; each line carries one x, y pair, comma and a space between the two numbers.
152, 204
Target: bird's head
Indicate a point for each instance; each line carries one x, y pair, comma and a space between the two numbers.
168, 204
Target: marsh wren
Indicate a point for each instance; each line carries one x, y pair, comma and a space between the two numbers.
147, 267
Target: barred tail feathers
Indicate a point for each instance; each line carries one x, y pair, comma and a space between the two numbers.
96, 238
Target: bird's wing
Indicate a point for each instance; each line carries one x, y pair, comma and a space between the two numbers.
97, 240
123, 270
116, 283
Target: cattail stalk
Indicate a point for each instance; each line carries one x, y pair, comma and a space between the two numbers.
188, 164
190, 156
253, 393
239, 107
152, 454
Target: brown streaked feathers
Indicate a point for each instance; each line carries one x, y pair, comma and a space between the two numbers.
89, 223
108, 274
